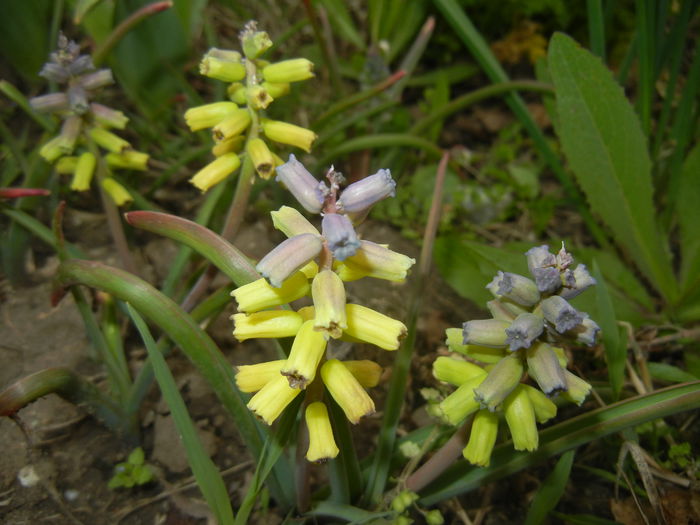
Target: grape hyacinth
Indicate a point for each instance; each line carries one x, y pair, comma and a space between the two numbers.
515, 361
317, 263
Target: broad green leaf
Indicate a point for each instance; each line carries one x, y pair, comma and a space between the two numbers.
670, 373
551, 490
615, 347
607, 151
689, 219
205, 472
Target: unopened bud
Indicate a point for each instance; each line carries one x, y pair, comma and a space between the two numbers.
455, 371
520, 417
517, 288
301, 184
288, 257
50, 103
116, 191
108, 140
482, 439
500, 382
543, 267
209, 115
84, 170
328, 293
98, 79
582, 280
560, 313
577, 389
362, 194
234, 124
128, 159
221, 69
543, 366
485, 332
545, 409
523, 331
587, 331
461, 403
340, 235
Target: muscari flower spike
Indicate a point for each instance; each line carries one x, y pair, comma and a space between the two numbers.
238, 126
523, 342
316, 263
86, 125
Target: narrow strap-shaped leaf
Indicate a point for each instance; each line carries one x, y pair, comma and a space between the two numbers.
551, 490
606, 148
179, 326
205, 472
213, 247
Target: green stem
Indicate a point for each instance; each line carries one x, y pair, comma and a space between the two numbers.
101, 52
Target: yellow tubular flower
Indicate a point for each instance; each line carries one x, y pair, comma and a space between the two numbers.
232, 145
261, 157
455, 371
346, 391
379, 262
208, 115
272, 399
482, 438
251, 378
578, 389
128, 159
84, 169
232, 125
268, 324
116, 191
368, 373
286, 133
276, 89
328, 293
294, 70
306, 353
258, 295
372, 327
220, 69
66, 165
520, 416
216, 171
290, 222
322, 446
460, 403
108, 140
545, 409
484, 354
257, 97
310, 269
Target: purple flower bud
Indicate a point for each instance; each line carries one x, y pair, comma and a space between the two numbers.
77, 99
288, 257
542, 266
515, 287
560, 313
581, 281
81, 65
54, 72
98, 79
544, 367
49, 103
340, 235
523, 331
587, 331
304, 186
364, 193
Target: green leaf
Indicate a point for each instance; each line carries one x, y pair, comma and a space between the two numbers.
346, 512
689, 219
469, 266
605, 146
342, 22
670, 373
205, 472
204, 241
136, 457
615, 347
551, 490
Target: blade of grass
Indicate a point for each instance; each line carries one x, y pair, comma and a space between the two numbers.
473, 40
596, 27
205, 472
646, 56
551, 490
615, 347
18, 98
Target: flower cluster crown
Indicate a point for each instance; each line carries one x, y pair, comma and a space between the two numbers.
85, 123
317, 263
522, 341
237, 123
